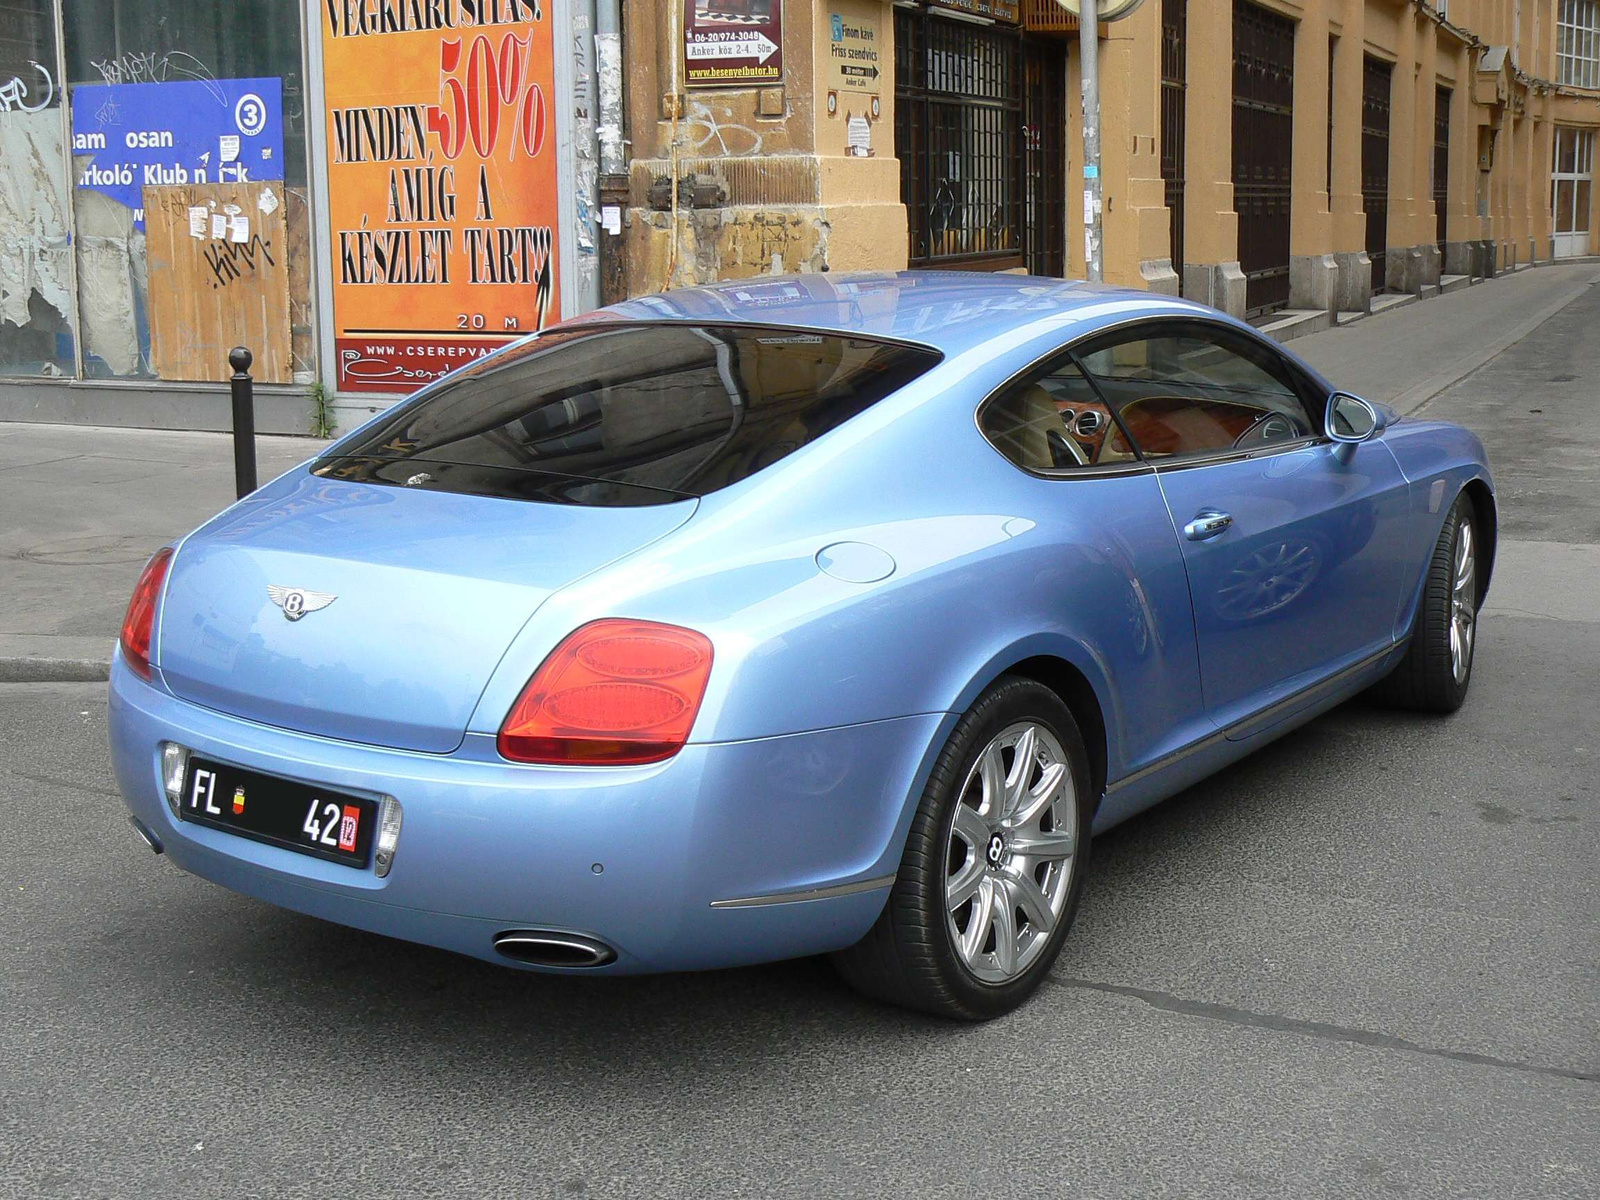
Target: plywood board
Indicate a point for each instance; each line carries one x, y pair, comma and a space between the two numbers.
209, 293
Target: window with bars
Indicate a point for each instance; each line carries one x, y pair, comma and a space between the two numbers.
1578, 43
958, 133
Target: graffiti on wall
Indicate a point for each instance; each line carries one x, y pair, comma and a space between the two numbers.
31, 94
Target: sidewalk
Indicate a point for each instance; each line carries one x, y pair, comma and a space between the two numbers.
83, 508
1408, 355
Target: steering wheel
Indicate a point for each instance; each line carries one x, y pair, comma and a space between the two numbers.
1269, 432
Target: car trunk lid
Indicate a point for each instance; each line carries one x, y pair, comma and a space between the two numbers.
371, 613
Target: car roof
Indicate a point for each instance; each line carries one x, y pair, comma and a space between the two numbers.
951, 311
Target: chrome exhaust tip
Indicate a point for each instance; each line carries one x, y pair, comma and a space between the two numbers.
145, 836
543, 948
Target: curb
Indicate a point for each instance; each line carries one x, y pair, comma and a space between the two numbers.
54, 670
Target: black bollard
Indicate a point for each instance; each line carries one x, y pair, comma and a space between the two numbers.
244, 421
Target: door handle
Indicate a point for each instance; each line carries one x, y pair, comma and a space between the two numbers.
1206, 525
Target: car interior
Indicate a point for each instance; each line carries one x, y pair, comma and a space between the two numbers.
1174, 395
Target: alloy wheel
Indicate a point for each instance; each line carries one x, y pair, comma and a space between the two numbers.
1011, 852
1463, 603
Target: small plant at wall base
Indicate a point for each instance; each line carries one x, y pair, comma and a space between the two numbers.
322, 423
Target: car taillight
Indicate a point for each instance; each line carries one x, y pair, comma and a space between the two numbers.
139, 624
614, 692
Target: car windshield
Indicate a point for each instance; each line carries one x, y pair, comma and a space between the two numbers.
628, 414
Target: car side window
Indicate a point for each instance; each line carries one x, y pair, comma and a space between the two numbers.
1052, 420
1190, 390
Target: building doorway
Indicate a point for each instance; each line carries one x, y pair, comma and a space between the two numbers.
958, 131
1263, 146
1377, 77
1441, 164
1044, 131
1571, 190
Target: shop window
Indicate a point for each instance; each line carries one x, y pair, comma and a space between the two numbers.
1578, 43
36, 325
189, 187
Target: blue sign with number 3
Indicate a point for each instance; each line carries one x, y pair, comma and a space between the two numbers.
130, 136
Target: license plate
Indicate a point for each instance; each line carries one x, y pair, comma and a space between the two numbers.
297, 816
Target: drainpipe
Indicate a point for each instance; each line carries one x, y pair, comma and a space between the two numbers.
674, 51
585, 153
613, 165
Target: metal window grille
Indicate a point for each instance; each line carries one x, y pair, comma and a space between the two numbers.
1333, 49
1441, 161
1578, 43
1044, 231
1174, 79
958, 130
1376, 84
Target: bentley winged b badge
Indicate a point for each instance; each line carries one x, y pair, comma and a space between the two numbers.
297, 602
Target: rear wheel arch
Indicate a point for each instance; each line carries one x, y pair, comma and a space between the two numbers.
1072, 685
1486, 520
1078, 694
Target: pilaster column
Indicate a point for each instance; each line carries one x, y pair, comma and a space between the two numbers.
1349, 215
1137, 225
1539, 181
1211, 225
1461, 226
1313, 274
1425, 226
1402, 155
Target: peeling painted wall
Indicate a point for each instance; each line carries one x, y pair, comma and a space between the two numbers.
35, 249
112, 285
585, 167
766, 182
728, 243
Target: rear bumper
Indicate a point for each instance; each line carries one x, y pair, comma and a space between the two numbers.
488, 846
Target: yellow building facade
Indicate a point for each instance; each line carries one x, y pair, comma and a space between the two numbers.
1260, 155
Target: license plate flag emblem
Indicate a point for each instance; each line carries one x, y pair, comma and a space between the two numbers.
238, 800
348, 827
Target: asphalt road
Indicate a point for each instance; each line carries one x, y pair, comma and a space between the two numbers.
1365, 962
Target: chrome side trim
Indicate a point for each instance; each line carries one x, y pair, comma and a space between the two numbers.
1261, 719
822, 893
1266, 716
1213, 458
1161, 764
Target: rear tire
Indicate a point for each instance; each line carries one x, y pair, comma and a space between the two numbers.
993, 866
1437, 668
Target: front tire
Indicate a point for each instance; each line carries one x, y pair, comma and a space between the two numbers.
1437, 668
993, 866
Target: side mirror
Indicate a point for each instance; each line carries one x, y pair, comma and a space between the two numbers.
1350, 418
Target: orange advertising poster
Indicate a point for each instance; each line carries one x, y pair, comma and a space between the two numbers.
442, 183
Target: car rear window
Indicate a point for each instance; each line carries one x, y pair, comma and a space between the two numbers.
628, 414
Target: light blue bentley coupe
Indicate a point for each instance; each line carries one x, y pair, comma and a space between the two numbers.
830, 614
